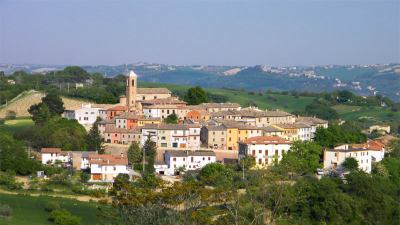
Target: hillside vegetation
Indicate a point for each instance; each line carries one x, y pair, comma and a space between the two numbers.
23, 101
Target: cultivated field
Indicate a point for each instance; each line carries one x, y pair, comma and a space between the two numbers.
23, 101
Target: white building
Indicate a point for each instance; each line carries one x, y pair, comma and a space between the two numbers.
304, 131
176, 160
51, 156
104, 168
365, 154
86, 114
265, 149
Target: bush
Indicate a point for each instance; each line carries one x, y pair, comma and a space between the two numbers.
84, 177
216, 174
8, 181
51, 206
5, 211
64, 217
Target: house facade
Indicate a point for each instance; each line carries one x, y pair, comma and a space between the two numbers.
266, 150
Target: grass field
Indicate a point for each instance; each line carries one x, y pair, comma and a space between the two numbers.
372, 114
16, 125
31, 210
266, 101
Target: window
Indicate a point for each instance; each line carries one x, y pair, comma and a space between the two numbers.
209, 158
115, 168
174, 159
259, 151
192, 159
155, 97
259, 161
276, 152
254, 152
230, 139
204, 158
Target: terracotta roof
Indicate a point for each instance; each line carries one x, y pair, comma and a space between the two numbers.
170, 100
107, 160
107, 121
251, 113
173, 127
54, 150
163, 106
266, 140
111, 128
153, 91
312, 120
184, 153
150, 119
216, 128
286, 126
127, 115
118, 108
371, 145
271, 129
50, 150
220, 105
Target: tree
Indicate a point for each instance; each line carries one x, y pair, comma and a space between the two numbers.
196, 96
302, 158
150, 150
350, 164
216, 174
135, 154
94, 139
13, 156
321, 110
171, 119
40, 113
54, 103
247, 162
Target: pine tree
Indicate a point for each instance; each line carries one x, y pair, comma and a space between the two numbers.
135, 154
94, 139
150, 150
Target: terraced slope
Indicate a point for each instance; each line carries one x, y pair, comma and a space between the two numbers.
23, 101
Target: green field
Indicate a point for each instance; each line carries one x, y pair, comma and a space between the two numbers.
31, 210
266, 101
371, 114
16, 125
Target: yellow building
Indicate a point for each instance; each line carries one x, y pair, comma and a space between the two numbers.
290, 131
152, 120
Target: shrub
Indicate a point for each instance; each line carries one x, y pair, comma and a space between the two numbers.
84, 177
8, 181
5, 211
64, 217
51, 206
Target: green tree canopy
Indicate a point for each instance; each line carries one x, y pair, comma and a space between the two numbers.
135, 154
94, 140
171, 119
216, 174
350, 164
54, 103
195, 96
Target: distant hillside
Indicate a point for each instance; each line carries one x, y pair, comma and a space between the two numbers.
23, 101
364, 80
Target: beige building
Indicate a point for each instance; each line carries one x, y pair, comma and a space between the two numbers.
214, 136
217, 107
255, 117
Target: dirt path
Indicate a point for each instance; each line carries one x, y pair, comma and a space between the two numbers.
81, 198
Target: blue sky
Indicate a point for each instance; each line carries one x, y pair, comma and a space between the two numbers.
218, 32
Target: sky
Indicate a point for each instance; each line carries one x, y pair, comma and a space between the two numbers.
201, 32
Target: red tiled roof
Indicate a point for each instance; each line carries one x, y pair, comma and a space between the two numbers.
118, 108
50, 150
107, 160
266, 140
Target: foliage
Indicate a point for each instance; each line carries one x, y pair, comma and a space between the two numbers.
13, 156
84, 177
150, 150
350, 164
247, 162
135, 154
94, 140
321, 110
195, 96
8, 182
40, 113
64, 217
171, 119
5, 211
216, 174
62, 133
334, 135
51, 206
302, 158
54, 103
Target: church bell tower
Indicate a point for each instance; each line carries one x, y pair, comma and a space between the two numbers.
131, 88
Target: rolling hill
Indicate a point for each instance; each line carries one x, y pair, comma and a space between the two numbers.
23, 101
